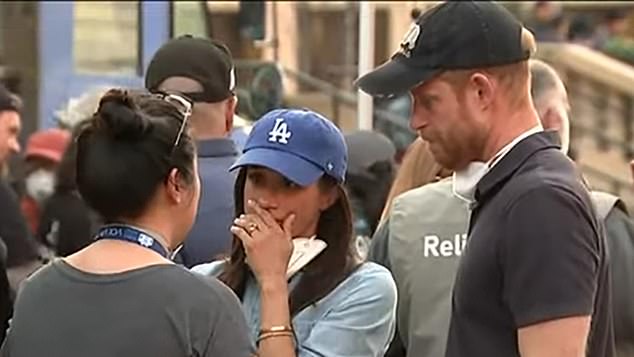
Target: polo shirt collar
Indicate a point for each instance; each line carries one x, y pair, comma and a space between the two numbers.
514, 159
216, 147
466, 180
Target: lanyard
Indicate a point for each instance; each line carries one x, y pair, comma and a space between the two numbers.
133, 235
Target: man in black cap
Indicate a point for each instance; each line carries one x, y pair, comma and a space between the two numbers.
14, 231
533, 279
203, 70
16, 244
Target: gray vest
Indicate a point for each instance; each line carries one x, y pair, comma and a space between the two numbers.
604, 202
428, 228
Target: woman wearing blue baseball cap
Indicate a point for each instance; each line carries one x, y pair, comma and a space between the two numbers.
294, 262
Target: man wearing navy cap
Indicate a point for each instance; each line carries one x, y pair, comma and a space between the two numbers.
202, 69
533, 280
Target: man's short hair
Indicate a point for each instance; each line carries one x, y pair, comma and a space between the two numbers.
543, 78
9, 101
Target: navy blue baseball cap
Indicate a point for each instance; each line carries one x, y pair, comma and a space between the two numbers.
299, 144
453, 35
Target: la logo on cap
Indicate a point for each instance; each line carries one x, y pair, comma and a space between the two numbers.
409, 41
280, 133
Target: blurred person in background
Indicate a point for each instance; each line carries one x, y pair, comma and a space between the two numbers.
122, 295
422, 216
470, 82
81, 107
14, 232
21, 256
397, 130
612, 39
295, 265
582, 30
369, 176
547, 22
614, 25
202, 70
42, 156
67, 223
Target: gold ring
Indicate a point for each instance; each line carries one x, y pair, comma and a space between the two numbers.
252, 227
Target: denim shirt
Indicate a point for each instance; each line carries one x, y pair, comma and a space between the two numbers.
356, 319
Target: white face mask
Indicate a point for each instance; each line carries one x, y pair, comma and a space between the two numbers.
40, 185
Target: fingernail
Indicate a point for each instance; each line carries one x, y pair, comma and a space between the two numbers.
250, 202
236, 220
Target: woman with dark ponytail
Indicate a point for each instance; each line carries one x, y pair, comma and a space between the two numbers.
122, 295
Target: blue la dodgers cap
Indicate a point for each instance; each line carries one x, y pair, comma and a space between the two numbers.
299, 144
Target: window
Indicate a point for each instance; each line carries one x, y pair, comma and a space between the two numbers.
188, 17
106, 37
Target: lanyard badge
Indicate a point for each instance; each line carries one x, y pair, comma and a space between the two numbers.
134, 235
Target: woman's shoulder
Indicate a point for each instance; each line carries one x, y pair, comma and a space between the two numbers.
371, 276
370, 283
209, 269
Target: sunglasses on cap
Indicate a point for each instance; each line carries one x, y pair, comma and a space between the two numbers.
183, 104
203, 97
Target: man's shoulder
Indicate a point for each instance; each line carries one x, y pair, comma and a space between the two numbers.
369, 282
427, 203
557, 177
212, 287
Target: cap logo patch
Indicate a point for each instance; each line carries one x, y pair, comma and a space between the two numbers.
409, 41
280, 133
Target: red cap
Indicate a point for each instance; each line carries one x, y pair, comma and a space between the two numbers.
48, 144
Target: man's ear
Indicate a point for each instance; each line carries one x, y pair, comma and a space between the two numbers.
173, 187
551, 120
483, 90
230, 110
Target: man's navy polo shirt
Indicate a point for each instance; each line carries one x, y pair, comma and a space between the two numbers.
210, 235
535, 253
